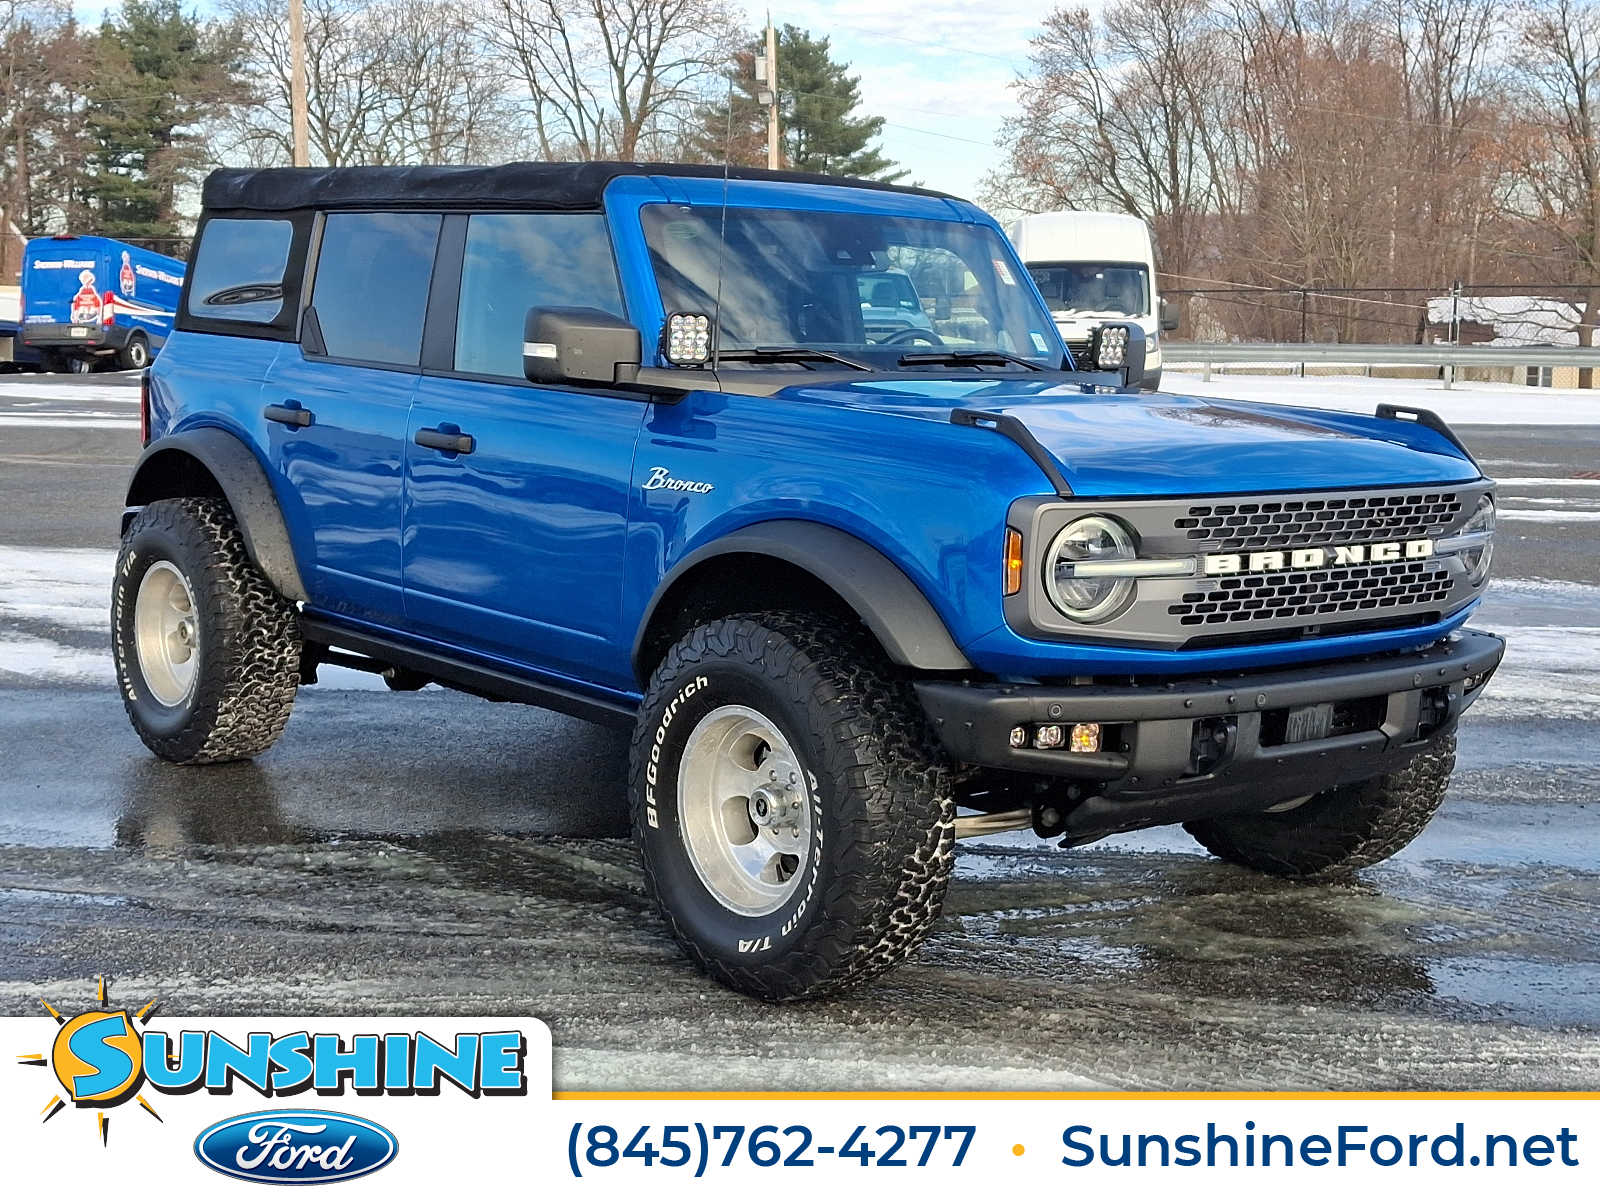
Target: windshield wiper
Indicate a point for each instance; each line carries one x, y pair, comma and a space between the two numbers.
962, 358
794, 354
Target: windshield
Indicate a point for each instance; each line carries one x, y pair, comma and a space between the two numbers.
874, 287
1116, 289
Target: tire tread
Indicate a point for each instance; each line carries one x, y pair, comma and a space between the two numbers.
250, 666
895, 864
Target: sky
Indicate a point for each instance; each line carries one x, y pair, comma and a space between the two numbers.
938, 72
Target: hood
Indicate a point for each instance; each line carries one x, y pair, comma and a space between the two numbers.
1164, 445
1090, 318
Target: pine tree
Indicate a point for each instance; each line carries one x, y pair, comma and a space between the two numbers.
818, 102
161, 76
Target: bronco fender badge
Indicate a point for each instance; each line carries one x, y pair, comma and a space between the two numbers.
661, 480
1312, 557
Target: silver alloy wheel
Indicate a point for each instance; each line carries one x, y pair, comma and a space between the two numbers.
744, 810
166, 634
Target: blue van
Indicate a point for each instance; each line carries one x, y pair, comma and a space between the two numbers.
89, 302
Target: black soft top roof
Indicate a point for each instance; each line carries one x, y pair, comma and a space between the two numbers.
523, 185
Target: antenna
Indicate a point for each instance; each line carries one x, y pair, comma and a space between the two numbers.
722, 236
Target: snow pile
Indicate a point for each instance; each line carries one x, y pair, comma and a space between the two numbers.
1465, 404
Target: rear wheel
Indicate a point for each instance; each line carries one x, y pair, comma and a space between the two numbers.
135, 356
794, 815
1341, 830
207, 653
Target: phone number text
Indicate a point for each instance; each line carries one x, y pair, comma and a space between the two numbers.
592, 1147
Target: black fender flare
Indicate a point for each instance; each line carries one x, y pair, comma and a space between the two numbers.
245, 486
906, 625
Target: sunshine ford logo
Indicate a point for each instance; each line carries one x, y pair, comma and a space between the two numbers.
104, 1057
294, 1145
1313, 557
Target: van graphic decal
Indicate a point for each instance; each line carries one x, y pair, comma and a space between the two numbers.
126, 279
86, 303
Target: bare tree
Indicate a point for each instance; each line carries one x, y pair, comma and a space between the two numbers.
1558, 53
1307, 144
613, 78
1130, 112
388, 81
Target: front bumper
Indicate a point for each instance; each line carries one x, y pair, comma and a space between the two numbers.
1184, 750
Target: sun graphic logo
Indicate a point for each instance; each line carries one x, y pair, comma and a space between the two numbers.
98, 1058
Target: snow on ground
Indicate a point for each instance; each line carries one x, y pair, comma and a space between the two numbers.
14, 388
1464, 404
66, 588
40, 659
52, 600
66, 421
34, 402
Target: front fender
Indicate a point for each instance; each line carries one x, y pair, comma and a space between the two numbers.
888, 603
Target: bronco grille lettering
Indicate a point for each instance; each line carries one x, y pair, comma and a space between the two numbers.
1312, 558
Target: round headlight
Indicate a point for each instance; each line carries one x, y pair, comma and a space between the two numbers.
1089, 598
1476, 560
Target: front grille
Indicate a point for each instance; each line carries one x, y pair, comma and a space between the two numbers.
1321, 521
1336, 592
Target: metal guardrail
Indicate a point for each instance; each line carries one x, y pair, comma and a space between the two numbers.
1212, 354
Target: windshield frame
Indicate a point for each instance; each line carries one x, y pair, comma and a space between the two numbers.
977, 246
1146, 275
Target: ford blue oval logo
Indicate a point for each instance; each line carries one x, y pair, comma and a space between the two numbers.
295, 1145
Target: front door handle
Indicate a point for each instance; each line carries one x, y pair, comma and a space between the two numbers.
289, 414
450, 442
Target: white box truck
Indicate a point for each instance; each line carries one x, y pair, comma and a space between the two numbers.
1095, 267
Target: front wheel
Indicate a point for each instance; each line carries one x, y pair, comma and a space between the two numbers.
207, 653
1341, 830
794, 815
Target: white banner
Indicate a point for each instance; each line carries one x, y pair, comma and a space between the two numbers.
128, 1102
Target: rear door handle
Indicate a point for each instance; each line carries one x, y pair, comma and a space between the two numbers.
450, 443
289, 414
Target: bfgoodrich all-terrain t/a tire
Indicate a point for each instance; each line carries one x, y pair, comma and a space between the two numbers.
793, 812
1340, 830
207, 652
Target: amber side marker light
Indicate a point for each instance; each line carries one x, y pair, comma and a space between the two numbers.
1013, 562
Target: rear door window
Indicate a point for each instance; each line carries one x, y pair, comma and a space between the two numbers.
518, 261
239, 270
371, 288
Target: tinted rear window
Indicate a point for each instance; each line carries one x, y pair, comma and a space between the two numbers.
371, 289
239, 270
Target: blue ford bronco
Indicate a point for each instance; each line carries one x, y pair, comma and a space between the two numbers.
640, 444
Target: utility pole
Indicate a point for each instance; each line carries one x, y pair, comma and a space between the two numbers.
767, 77
1455, 332
297, 82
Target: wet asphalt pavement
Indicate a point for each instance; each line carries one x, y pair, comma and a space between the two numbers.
432, 853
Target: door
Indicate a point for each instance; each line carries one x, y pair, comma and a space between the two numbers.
338, 403
514, 538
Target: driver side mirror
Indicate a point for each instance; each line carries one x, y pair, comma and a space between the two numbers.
1171, 314
583, 346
